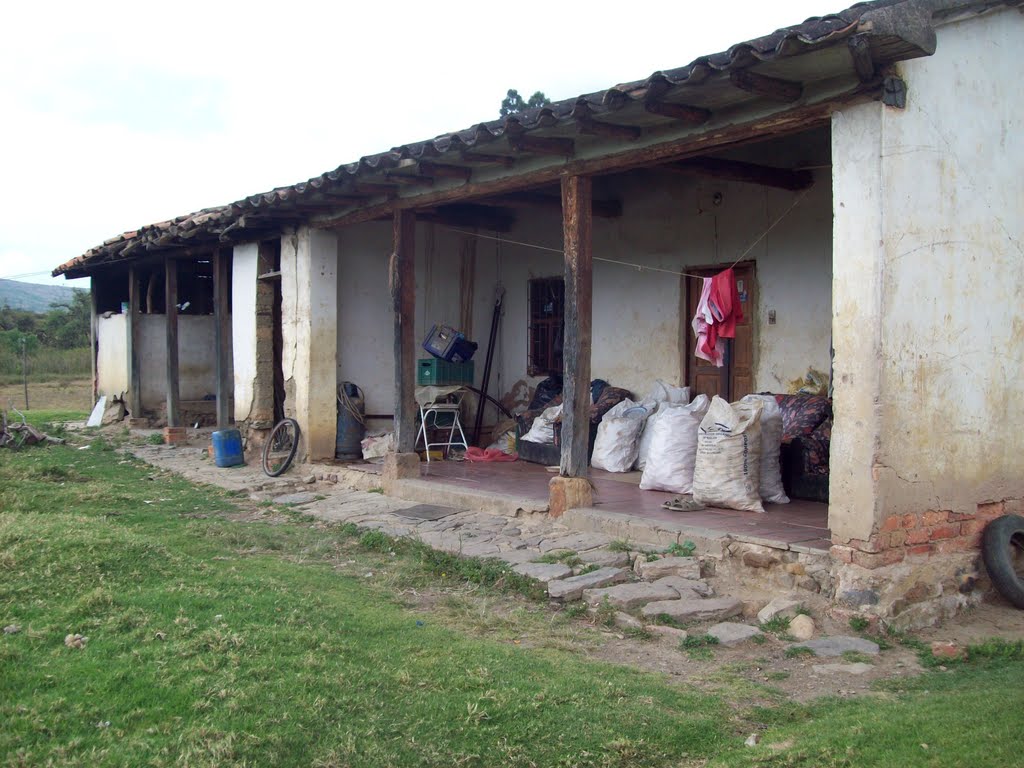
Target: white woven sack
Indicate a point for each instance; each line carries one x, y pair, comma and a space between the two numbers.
664, 392
615, 446
771, 446
727, 471
673, 447
542, 431
643, 445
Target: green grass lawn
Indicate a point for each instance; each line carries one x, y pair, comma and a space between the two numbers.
219, 641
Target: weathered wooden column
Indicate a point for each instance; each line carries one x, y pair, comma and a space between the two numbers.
94, 347
572, 488
171, 315
134, 372
222, 333
402, 280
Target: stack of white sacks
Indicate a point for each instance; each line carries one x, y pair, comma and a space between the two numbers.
725, 454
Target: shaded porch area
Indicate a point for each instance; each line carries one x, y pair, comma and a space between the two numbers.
799, 524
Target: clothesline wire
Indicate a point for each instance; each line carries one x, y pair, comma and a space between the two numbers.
640, 267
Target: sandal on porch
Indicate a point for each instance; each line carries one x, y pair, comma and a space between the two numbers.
683, 504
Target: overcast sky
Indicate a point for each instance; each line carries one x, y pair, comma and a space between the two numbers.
116, 115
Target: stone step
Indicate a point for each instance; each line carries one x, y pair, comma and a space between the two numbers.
731, 633
629, 597
710, 609
838, 645
687, 587
686, 567
605, 558
572, 587
545, 573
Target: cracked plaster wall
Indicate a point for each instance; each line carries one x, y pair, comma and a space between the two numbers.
928, 264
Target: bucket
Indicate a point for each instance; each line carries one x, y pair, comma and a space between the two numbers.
227, 448
351, 422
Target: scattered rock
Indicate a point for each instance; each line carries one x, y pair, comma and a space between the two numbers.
752, 740
605, 558
572, 587
838, 645
780, 607
712, 609
672, 633
638, 562
12, 629
296, 498
625, 621
629, 597
687, 586
842, 669
309, 479
686, 567
950, 650
75, 641
731, 633
543, 572
759, 560
802, 627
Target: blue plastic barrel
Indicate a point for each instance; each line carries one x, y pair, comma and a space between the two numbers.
227, 448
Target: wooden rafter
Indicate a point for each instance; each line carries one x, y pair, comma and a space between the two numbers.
734, 170
763, 85
542, 145
681, 112
605, 209
442, 171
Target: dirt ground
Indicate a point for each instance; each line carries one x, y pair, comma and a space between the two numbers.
73, 395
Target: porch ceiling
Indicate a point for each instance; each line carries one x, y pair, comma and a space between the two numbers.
795, 72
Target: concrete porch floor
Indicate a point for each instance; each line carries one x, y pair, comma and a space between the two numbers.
799, 525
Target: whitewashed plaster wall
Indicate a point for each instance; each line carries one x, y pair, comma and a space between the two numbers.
936, 319
669, 223
243, 326
197, 358
309, 305
112, 355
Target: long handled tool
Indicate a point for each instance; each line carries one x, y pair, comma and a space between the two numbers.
499, 295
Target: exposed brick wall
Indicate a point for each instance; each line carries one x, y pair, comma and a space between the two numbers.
923, 534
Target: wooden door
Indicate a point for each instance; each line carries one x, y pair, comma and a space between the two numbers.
736, 377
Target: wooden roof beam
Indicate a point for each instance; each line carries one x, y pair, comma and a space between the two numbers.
860, 51
442, 171
606, 209
749, 173
684, 113
484, 158
543, 145
482, 216
763, 85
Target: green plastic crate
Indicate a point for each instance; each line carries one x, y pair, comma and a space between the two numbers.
436, 372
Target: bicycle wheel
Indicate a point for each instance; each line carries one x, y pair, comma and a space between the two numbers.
280, 448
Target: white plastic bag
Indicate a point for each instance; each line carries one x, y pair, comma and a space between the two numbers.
771, 442
615, 446
673, 447
542, 430
728, 467
664, 392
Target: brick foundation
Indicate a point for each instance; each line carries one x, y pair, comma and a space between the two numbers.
175, 435
932, 532
917, 568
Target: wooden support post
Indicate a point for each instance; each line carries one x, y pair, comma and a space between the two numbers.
222, 335
171, 314
402, 279
93, 345
134, 371
576, 226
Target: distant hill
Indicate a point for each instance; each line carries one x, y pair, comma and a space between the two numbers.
33, 296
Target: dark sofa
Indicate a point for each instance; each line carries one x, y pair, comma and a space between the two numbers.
806, 435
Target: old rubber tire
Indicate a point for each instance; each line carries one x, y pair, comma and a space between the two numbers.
1002, 549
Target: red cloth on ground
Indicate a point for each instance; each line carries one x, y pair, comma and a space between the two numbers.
488, 454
